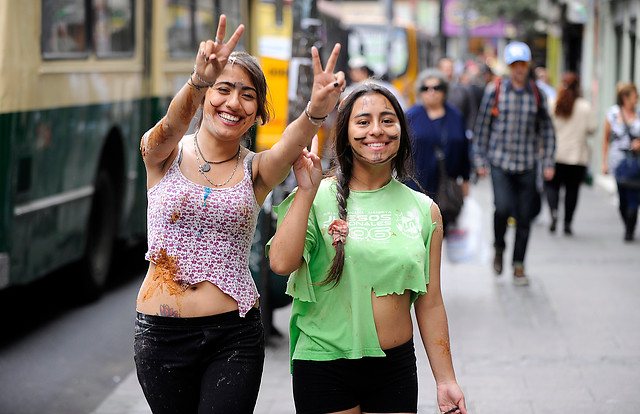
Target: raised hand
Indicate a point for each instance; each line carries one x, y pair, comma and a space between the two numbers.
327, 85
213, 54
307, 168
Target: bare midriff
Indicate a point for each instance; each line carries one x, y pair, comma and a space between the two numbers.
392, 315
161, 295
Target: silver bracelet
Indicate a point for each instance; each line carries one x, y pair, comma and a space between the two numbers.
314, 120
209, 84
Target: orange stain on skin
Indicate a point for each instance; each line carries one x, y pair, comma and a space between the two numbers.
143, 146
187, 111
446, 349
153, 138
163, 277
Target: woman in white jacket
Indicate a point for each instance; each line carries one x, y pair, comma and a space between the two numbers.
573, 121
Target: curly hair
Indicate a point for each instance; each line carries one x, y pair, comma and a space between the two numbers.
342, 162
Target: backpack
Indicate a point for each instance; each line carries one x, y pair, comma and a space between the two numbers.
536, 95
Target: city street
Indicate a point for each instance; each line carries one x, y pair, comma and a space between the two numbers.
569, 342
118, 125
60, 356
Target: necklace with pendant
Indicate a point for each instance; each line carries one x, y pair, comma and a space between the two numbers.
206, 166
203, 168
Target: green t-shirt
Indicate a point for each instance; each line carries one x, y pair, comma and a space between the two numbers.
387, 251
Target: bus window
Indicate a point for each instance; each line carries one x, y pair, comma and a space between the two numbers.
399, 59
188, 23
114, 29
64, 29
206, 22
371, 42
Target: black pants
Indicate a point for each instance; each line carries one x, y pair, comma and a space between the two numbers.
210, 364
570, 177
513, 193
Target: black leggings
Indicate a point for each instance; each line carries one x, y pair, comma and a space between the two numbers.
209, 364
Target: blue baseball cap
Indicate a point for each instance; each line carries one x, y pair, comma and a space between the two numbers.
517, 51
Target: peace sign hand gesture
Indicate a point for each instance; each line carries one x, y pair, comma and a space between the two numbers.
327, 86
213, 54
308, 169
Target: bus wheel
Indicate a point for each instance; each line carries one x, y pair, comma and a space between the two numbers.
96, 262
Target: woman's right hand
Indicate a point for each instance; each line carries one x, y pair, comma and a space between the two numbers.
308, 169
213, 54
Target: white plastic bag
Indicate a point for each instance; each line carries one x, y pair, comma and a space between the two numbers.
465, 241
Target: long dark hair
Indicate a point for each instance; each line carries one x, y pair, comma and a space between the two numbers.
342, 163
567, 95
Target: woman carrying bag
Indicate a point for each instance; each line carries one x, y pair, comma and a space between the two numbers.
437, 130
621, 151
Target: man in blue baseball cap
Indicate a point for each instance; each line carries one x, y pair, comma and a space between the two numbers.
512, 127
517, 52
517, 56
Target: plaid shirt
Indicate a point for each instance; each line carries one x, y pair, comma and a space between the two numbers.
510, 141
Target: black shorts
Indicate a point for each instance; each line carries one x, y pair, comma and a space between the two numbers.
377, 384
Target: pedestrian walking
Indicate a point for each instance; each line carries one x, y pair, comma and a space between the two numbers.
362, 248
542, 81
512, 129
199, 340
621, 140
460, 94
574, 122
437, 127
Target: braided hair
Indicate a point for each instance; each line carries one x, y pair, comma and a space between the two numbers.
342, 163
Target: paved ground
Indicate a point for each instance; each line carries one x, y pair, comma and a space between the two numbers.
568, 342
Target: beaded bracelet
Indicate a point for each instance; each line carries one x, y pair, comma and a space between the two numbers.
208, 84
317, 121
190, 82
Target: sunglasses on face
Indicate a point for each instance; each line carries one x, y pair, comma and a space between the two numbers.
425, 88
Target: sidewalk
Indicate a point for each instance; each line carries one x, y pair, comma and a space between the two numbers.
568, 342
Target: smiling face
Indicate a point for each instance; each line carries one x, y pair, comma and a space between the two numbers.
231, 104
374, 130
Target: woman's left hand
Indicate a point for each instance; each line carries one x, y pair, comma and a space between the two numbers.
327, 86
308, 169
450, 397
635, 145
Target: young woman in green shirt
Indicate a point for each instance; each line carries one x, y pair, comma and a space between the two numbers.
361, 248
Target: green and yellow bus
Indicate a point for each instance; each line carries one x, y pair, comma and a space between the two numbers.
80, 81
